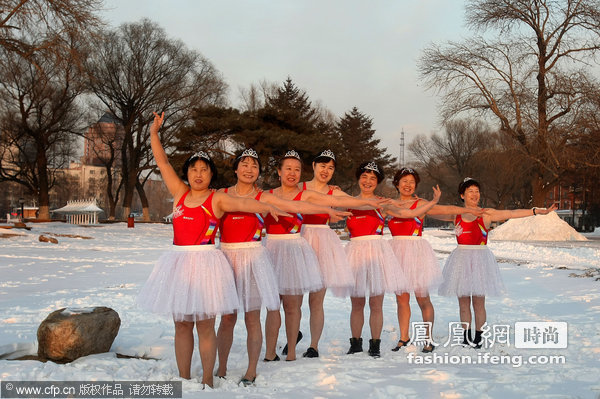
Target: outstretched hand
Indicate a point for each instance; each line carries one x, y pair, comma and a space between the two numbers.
545, 211
336, 216
276, 212
437, 193
157, 123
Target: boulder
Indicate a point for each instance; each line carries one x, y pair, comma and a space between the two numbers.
44, 238
67, 334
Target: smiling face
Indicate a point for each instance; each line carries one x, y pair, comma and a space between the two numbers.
471, 196
290, 171
247, 170
323, 172
406, 186
199, 175
367, 182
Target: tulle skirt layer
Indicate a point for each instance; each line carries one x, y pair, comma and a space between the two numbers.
335, 271
295, 263
190, 283
255, 278
375, 267
471, 270
418, 262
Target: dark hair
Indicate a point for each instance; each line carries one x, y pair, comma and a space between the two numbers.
324, 159
287, 156
363, 168
468, 182
192, 160
405, 172
239, 158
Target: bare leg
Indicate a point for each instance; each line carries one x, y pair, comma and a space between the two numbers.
293, 313
184, 347
207, 343
253, 342
317, 317
464, 306
224, 341
376, 316
357, 316
403, 302
480, 313
427, 312
272, 325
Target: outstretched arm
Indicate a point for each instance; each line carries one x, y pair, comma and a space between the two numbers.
174, 184
495, 215
226, 203
344, 200
419, 211
302, 207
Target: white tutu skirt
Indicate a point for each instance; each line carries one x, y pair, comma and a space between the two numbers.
418, 262
335, 271
471, 270
296, 265
375, 267
254, 275
190, 283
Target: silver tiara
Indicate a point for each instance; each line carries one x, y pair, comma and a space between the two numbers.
201, 154
292, 154
408, 170
467, 179
372, 166
249, 152
328, 154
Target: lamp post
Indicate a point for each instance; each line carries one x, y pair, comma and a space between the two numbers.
22, 202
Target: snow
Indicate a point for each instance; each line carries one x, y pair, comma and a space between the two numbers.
548, 227
108, 270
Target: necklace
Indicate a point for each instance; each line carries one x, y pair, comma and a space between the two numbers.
242, 195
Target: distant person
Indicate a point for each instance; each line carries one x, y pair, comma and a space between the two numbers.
471, 272
375, 267
193, 282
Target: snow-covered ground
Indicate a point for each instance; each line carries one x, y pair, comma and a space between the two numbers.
108, 270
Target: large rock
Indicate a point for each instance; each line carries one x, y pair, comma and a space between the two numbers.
68, 334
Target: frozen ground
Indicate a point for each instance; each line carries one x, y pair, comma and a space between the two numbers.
37, 278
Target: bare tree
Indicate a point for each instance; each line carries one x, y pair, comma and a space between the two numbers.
136, 70
39, 117
528, 80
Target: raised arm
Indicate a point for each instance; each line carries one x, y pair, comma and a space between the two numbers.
302, 207
175, 185
495, 215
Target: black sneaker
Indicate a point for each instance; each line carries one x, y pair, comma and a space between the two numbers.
374, 345
311, 352
285, 348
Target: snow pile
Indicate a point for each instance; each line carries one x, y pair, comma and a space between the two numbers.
548, 227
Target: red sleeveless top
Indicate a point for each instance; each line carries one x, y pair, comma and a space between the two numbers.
320, 218
405, 226
287, 224
365, 222
470, 233
242, 226
194, 226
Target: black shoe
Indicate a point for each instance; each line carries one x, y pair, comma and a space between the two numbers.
374, 345
246, 382
467, 338
285, 348
428, 348
401, 344
311, 352
355, 346
275, 359
477, 340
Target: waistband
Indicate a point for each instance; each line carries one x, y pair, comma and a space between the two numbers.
369, 237
192, 248
407, 238
318, 226
237, 245
294, 236
464, 246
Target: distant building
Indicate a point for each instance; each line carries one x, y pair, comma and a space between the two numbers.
100, 138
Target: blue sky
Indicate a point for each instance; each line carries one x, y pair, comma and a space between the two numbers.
343, 53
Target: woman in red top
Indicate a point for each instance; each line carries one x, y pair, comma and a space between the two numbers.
255, 278
471, 272
376, 269
416, 257
193, 282
296, 264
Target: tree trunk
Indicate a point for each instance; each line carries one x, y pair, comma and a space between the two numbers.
143, 200
540, 191
43, 197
